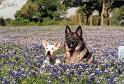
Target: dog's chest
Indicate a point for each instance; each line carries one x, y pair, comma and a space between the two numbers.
51, 61
76, 57
71, 58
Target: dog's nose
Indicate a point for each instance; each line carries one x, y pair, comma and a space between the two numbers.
48, 52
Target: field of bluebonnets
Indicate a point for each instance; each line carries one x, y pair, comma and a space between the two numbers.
22, 55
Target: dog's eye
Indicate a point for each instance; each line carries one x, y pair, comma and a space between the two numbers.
52, 49
46, 48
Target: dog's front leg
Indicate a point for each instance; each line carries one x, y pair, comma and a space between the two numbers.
67, 58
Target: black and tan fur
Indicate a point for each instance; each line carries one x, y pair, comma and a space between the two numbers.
75, 47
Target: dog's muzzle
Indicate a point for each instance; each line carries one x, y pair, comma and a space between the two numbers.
48, 53
71, 46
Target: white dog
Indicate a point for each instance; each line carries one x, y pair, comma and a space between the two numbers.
49, 50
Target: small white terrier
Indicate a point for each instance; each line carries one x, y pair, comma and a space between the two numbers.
49, 50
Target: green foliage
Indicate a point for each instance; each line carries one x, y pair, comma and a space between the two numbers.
118, 16
96, 20
41, 10
48, 21
33, 80
29, 10
19, 22
49, 8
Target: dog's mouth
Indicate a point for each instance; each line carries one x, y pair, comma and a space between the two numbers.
48, 55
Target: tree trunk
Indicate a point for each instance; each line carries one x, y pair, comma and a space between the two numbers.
108, 17
90, 19
87, 22
102, 13
108, 21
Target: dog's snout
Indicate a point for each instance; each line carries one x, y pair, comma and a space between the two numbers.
48, 53
70, 45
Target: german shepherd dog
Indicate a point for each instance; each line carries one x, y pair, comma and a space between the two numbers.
75, 47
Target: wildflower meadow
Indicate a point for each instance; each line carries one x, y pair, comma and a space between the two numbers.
22, 56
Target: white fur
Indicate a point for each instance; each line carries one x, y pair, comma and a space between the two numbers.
50, 47
46, 62
57, 62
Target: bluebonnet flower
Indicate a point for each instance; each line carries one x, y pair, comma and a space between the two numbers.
98, 71
6, 81
110, 79
92, 77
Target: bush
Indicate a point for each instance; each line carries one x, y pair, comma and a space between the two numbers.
118, 16
34, 24
48, 21
96, 20
20, 22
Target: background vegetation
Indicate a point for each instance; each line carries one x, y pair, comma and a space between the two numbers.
52, 12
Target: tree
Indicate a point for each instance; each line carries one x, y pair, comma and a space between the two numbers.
118, 16
88, 9
36, 10
29, 10
105, 7
50, 8
87, 6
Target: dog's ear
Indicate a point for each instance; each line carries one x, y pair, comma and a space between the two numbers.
79, 31
45, 43
57, 44
67, 30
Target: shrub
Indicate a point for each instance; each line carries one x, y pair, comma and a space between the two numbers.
96, 20
48, 21
20, 22
118, 16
